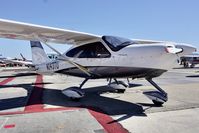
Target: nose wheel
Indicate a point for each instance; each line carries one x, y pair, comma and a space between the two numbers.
158, 97
157, 103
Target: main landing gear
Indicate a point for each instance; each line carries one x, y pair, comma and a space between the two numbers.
118, 86
75, 93
158, 97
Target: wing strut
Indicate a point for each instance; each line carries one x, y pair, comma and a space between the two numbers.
63, 58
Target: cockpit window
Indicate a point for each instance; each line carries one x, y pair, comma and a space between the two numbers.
91, 50
117, 43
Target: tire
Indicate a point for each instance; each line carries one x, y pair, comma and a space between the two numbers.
157, 103
192, 66
186, 64
120, 90
75, 99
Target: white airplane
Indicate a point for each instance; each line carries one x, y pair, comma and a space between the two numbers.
27, 63
96, 57
22, 61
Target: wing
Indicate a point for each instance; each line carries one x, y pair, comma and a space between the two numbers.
142, 41
24, 31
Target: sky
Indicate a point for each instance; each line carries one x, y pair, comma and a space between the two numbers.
171, 20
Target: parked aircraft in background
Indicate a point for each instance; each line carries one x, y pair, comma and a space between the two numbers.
16, 61
23, 61
2, 64
190, 60
95, 57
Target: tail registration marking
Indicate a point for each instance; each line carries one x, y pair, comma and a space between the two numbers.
52, 65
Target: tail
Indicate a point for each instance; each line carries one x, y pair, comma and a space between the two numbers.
23, 58
38, 54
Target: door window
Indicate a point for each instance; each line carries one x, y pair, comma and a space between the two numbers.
91, 50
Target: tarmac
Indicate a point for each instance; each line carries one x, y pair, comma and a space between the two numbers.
34, 103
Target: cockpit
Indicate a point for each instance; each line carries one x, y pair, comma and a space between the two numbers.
98, 50
117, 43
90, 50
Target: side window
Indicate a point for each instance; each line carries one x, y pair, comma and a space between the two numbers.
91, 50
73, 52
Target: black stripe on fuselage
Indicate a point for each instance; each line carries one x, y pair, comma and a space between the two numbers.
114, 72
36, 44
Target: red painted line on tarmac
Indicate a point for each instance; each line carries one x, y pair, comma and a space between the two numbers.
39, 111
35, 105
6, 81
108, 123
9, 126
35, 100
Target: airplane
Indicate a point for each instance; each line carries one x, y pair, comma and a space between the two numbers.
97, 57
27, 62
23, 61
18, 61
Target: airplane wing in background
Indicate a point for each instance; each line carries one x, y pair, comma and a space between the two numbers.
26, 63
24, 31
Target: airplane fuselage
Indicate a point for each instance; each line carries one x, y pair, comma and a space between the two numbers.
136, 61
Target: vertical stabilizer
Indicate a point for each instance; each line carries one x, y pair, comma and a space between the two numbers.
38, 54
23, 58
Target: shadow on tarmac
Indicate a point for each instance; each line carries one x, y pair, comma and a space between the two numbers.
93, 101
193, 76
19, 75
185, 68
16, 102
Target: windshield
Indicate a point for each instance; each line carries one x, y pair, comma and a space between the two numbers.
117, 43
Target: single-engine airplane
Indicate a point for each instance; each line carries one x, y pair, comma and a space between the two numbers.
95, 57
22, 61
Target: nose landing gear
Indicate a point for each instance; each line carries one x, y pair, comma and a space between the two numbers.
158, 97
